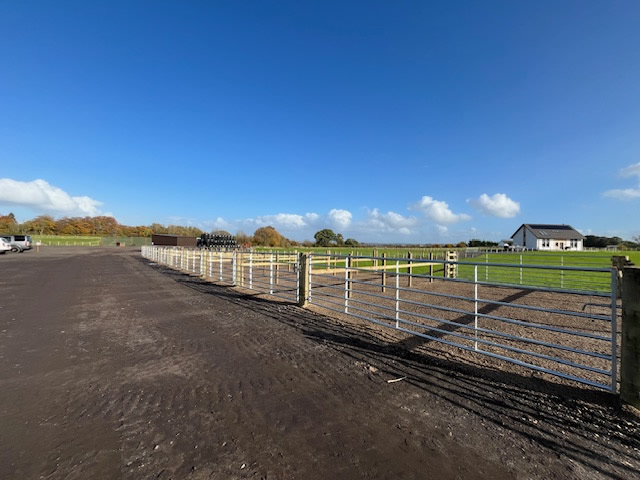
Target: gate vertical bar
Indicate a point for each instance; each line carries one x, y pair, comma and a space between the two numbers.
486, 268
271, 274
251, 271
562, 271
475, 306
233, 268
296, 270
397, 293
221, 266
384, 270
310, 289
520, 269
347, 264
614, 330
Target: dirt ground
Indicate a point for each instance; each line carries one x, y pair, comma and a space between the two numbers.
114, 368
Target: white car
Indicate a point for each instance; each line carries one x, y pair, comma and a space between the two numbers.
4, 246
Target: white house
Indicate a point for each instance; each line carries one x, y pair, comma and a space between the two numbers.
548, 237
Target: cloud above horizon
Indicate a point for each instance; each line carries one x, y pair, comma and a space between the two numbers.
626, 193
390, 222
340, 218
41, 196
438, 211
498, 205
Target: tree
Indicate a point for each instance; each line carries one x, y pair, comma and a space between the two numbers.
269, 237
474, 242
351, 242
41, 225
325, 238
157, 228
242, 238
8, 223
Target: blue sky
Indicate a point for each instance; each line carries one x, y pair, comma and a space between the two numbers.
387, 121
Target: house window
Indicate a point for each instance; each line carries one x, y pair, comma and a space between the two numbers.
545, 242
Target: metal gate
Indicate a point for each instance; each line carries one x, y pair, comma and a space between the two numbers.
554, 319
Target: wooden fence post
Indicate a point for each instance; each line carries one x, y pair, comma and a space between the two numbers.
304, 268
409, 269
349, 275
620, 262
430, 267
630, 360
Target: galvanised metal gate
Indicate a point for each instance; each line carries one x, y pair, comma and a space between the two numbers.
275, 274
568, 332
561, 320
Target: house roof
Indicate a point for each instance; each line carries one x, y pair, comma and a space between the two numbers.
557, 232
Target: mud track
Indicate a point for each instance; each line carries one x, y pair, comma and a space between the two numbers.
114, 368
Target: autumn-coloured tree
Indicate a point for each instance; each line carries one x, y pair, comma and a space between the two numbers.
41, 225
8, 223
242, 238
269, 237
221, 232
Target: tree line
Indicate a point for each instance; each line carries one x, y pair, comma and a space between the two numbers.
103, 226
603, 242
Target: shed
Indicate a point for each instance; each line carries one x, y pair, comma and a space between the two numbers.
173, 240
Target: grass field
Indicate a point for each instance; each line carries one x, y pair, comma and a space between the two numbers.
487, 270
522, 269
88, 241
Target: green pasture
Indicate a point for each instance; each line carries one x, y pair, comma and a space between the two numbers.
483, 265
88, 240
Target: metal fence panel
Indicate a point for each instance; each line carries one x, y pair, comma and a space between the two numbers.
557, 319
569, 332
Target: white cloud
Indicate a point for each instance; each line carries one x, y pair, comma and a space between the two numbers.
218, 224
311, 217
41, 196
390, 222
631, 171
439, 211
626, 193
442, 228
284, 220
498, 205
623, 194
340, 218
